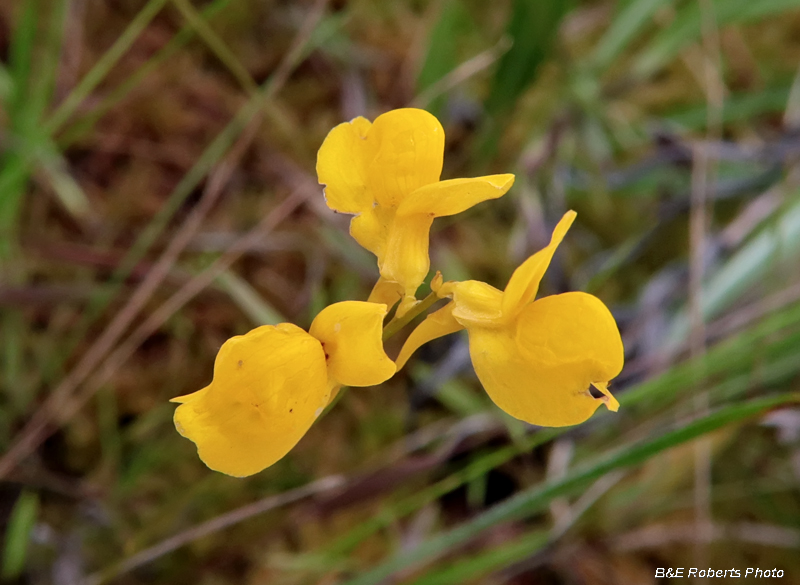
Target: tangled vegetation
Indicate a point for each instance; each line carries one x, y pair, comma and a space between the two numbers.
158, 196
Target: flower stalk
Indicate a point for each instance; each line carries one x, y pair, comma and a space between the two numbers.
397, 323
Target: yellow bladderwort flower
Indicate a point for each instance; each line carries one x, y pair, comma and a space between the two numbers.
536, 359
271, 384
387, 174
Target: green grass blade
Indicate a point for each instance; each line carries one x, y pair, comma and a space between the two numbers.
22, 123
736, 353
779, 242
21, 60
87, 121
733, 363
43, 83
626, 25
474, 470
534, 499
18, 532
208, 158
532, 27
687, 28
67, 189
217, 45
248, 299
741, 107
442, 55
483, 562
104, 65
13, 181
6, 84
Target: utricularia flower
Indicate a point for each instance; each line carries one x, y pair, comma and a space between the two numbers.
271, 384
387, 174
536, 358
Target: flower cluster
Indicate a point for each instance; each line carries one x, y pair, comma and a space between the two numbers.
536, 358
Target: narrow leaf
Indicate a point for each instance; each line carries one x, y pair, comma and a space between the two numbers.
23, 518
532, 500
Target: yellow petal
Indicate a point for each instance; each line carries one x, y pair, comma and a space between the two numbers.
342, 163
410, 150
574, 331
385, 292
539, 368
351, 334
476, 303
268, 388
435, 325
408, 303
524, 283
454, 196
405, 258
612, 403
371, 229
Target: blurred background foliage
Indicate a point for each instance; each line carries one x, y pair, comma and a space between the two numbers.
158, 195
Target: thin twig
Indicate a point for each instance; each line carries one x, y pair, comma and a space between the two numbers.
298, 48
460, 74
221, 522
658, 536
587, 499
754, 312
217, 45
195, 286
704, 174
335, 490
30, 440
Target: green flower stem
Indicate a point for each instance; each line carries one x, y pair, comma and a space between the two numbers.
396, 324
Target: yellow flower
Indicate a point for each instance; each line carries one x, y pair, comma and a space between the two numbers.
272, 383
387, 174
536, 359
